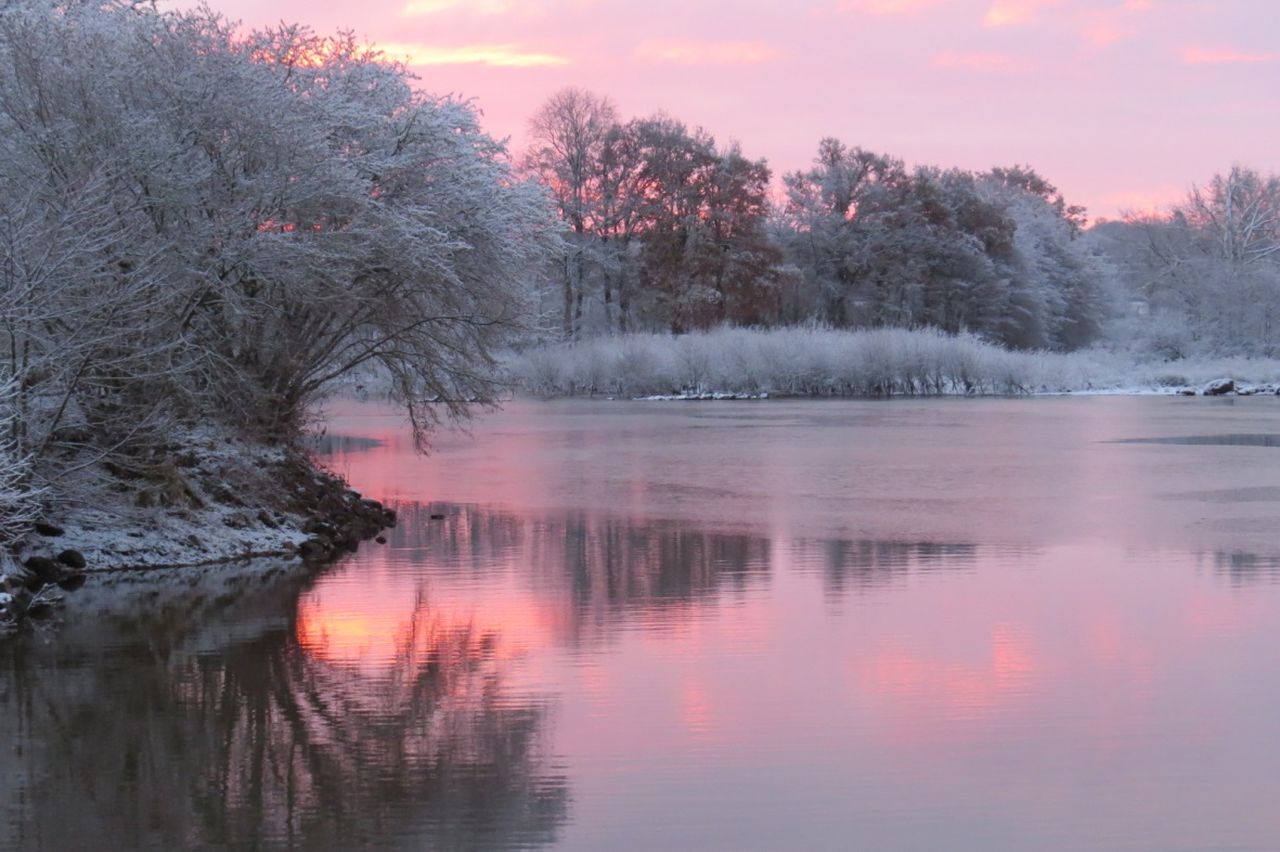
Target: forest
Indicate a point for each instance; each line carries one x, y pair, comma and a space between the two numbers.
664, 230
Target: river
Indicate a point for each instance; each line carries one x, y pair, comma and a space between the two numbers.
1048, 623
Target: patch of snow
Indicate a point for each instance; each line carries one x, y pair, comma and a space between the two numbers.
699, 396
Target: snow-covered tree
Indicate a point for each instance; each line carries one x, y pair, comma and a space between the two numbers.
201, 222
1209, 268
569, 132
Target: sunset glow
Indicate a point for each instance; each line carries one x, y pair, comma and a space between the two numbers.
1108, 98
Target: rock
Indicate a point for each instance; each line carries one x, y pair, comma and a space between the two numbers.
24, 580
71, 559
315, 548
1219, 387
72, 581
44, 569
48, 530
1187, 392
315, 526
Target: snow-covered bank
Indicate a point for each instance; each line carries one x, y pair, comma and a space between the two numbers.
733, 362
210, 499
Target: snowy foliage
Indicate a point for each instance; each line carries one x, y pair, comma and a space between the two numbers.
995, 254
827, 362
200, 224
19, 496
1206, 275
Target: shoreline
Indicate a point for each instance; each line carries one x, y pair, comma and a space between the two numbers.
283, 507
1214, 389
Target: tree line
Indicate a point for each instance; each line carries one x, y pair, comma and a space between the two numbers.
666, 230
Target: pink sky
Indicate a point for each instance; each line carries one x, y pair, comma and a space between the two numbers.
1121, 103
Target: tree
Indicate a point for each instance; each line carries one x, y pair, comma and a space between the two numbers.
1208, 270
201, 224
1239, 215
831, 209
569, 132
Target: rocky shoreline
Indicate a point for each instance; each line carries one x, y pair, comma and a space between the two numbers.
218, 501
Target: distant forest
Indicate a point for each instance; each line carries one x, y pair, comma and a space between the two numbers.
663, 229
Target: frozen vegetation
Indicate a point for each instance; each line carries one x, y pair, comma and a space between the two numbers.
873, 363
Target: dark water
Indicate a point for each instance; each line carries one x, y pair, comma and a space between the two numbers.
958, 624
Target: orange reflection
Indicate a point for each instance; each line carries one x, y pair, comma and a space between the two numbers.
374, 620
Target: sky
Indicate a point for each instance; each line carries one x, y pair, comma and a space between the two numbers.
1124, 104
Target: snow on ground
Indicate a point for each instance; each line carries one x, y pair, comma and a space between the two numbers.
218, 505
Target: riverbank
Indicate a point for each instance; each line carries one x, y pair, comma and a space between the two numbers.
209, 499
809, 362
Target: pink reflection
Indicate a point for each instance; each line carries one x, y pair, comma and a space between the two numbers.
1033, 671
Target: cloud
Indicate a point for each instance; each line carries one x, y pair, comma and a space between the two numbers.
519, 8
1104, 27
707, 52
992, 63
415, 8
887, 7
1007, 13
1219, 56
497, 55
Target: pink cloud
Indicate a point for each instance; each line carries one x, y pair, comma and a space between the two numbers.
1224, 56
887, 7
707, 52
496, 55
1006, 13
520, 8
1104, 27
998, 63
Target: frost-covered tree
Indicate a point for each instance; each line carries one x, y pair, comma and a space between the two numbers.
662, 228
994, 254
569, 132
1208, 270
201, 222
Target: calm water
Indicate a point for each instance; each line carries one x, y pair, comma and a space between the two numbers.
957, 624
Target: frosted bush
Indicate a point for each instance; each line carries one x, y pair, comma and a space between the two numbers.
827, 362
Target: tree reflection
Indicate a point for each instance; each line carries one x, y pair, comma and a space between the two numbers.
257, 743
848, 565
596, 569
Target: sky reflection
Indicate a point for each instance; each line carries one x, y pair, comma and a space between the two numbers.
1069, 645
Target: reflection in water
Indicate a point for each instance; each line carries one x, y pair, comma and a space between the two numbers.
381, 700
859, 565
166, 742
332, 444
1247, 568
1268, 440
875, 637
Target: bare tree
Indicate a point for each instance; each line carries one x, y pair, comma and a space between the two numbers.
569, 133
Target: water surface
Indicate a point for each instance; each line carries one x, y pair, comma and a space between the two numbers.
959, 624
